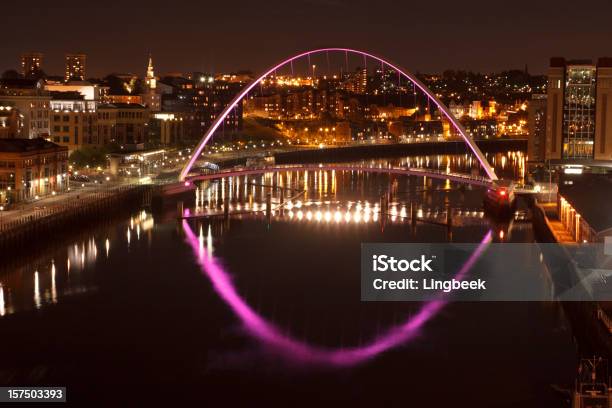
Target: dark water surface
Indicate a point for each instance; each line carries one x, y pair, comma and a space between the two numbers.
255, 311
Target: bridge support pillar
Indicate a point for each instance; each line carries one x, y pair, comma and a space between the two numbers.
179, 209
269, 206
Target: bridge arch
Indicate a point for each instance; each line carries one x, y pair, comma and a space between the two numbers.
441, 107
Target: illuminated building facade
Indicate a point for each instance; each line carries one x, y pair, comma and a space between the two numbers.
31, 64
579, 115
223, 93
210, 97
125, 124
301, 103
32, 101
30, 168
422, 129
75, 67
358, 82
580, 210
11, 123
198, 98
124, 99
168, 127
267, 106
337, 133
74, 123
481, 128
89, 91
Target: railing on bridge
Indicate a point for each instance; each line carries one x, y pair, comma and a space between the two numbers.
242, 170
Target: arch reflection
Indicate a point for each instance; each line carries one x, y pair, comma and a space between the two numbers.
301, 351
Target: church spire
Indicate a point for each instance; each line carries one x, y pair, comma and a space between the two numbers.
150, 78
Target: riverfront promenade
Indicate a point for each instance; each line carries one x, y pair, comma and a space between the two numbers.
50, 204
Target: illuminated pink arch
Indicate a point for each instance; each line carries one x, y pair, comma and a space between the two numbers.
211, 130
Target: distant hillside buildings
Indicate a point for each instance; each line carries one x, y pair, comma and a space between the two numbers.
129, 110
121, 109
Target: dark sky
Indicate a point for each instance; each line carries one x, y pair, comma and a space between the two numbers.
223, 35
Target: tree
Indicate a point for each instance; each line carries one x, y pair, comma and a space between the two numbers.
88, 156
10, 74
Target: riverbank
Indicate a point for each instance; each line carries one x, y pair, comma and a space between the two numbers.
29, 233
591, 325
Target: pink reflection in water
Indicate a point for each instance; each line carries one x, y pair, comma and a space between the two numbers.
301, 351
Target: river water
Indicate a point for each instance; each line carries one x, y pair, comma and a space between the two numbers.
264, 308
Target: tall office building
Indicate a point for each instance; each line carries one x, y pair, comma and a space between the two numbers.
578, 113
31, 64
75, 67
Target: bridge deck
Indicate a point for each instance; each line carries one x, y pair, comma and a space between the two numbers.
457, 177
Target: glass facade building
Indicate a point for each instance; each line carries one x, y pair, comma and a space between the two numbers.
579, 111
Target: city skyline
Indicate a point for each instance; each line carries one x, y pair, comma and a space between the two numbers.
488, 40
306, 203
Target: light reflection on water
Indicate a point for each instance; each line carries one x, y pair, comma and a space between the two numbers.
302, 351
49, 283
311, 196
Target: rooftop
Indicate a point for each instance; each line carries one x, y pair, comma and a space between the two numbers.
66, 95
27, 145
590, 195
121, 106
19, 83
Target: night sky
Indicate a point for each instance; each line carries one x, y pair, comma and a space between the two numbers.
188, 35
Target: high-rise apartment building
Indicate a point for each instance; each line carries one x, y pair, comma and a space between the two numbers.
579, 115
31, 64
75, 67
358, 82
